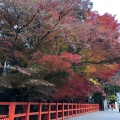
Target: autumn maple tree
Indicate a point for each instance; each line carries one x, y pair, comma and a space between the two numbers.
77, 89
31, 39
50, 45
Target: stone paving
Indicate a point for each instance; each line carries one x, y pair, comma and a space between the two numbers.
101, 115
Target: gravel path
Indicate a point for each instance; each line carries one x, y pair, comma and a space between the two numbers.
101, 115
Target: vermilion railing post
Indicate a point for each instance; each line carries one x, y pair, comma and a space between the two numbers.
56, 111
72, 109
89, 107
68, 109
92, 107
75, 109
83, 108
27, 111
86, 108
95, 107
12, 110
40, 111
62, 111
78, 108
49, 111
24, 111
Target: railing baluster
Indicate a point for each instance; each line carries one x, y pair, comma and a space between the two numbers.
27, 111
56, 111
12, 110
62, 111
40, 110
73, 109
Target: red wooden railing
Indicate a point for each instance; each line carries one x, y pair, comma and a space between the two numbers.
43, 111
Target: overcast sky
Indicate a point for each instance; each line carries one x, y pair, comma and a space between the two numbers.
109, 6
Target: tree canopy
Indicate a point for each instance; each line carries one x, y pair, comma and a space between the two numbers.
48, 46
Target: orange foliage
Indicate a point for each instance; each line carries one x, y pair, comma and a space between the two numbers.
105, 22
108, 71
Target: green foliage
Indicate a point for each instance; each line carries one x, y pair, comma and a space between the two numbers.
112, 99
111, 89
97, 98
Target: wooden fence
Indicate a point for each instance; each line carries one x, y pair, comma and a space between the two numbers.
43, 111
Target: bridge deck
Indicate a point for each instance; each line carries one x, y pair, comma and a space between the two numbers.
101, 115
